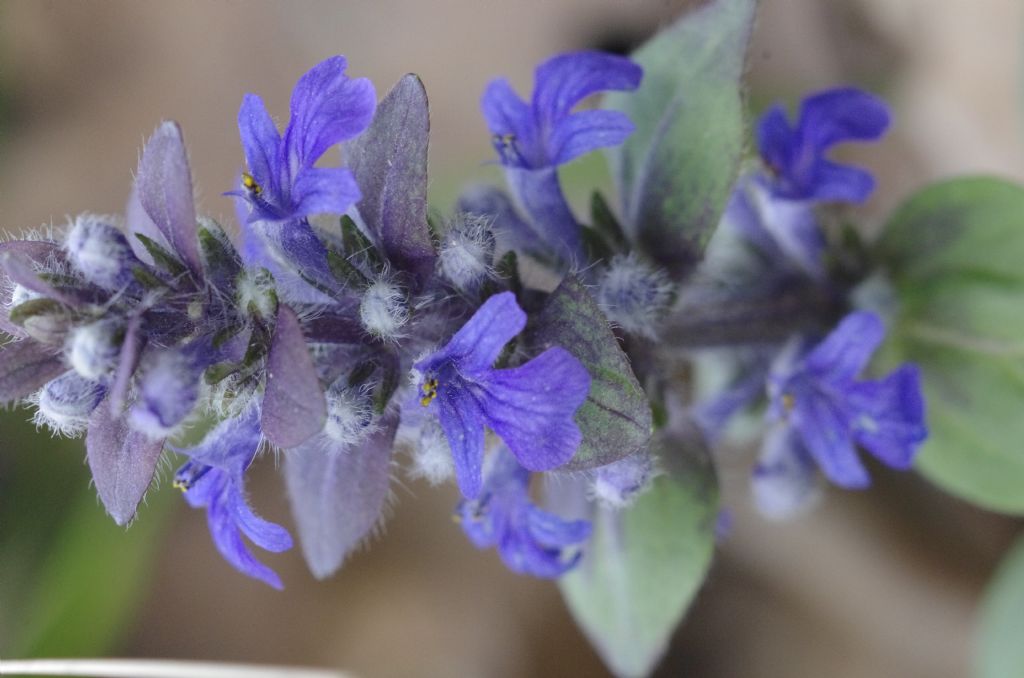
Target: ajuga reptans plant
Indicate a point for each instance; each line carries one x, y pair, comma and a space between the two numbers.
340, 323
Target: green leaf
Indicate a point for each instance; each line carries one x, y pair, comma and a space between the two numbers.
221, 260
675, 172
643, 565
163, 258
999, 652
952, 254
616, 417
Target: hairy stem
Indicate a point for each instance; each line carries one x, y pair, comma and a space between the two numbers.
749, 321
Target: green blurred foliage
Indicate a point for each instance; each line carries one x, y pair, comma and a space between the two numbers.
999, 652
70, 578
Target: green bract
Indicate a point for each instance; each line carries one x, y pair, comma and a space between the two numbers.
644, 564
675, 172
616, 418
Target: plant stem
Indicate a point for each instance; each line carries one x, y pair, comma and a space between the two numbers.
753, 322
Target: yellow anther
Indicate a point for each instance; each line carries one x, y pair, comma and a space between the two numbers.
429, 392
788, 402
250, 184
505, 140
181, 485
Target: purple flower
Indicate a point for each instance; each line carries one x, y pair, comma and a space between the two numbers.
785, 232
533, 138
796, 155
784, 483
214, 478
545, 132
817, 394
530, 407
529, 540
282, 183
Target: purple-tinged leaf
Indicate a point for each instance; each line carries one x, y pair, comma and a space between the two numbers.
20, 270
389, 161
338, 324
337, 494
615, 419
39, 251
294, 406
131, 352
25, 367
138, 222
123, 461
164, 185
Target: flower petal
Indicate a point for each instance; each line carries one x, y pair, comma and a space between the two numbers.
845, 352
889, 418
563, 81
784, 482
842, 114
539, 192
324, 190
261, 143
511, 121
265, 534
552, 531
586, 131
531, 408
231, 444
327, 107
215, 490
776, 139
479, 342
840, 183
463, 426
825, 431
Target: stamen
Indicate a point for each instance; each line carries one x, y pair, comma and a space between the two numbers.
507, 148
429, 392
249, 184
788, 402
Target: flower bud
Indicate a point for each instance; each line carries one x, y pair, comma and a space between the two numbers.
466, 253
45, 320
349, 414
634, 295
431, 456
618, 484
232, 395
257, 294
168, 391
64, 404
93, 350
20, 294
100, 252
383, 310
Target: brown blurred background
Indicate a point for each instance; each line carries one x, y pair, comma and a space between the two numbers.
876, 584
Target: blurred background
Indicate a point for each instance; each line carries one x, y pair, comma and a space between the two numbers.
876, 584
